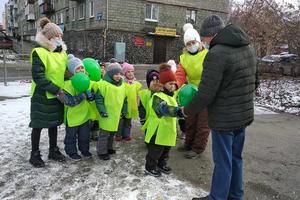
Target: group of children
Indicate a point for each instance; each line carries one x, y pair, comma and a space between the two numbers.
113, 102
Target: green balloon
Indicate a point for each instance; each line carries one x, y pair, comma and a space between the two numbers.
80, 82
186, 94
92, 67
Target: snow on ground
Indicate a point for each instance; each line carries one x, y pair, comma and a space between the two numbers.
122, 177
15, 89
279, 95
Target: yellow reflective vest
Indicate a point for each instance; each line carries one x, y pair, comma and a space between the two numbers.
145, 98
164, 127
132, 94
193, 66
55, 66
114, 97
78, 114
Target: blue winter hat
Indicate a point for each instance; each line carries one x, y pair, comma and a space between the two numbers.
73, 63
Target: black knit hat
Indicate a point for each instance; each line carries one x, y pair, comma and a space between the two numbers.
211, 26
151, 75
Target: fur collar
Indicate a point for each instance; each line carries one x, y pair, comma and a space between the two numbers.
45, 42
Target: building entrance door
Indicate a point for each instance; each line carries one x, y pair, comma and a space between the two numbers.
160, 50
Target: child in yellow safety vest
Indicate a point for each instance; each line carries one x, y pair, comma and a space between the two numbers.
112, 106
161, 127
152, 80
132, 86
76, 115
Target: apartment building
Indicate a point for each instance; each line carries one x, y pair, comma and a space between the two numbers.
140, 31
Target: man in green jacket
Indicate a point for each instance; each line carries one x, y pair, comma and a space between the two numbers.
226, 89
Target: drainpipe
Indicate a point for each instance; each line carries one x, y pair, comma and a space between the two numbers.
105, 32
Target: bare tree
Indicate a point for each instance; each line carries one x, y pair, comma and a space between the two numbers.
269, 24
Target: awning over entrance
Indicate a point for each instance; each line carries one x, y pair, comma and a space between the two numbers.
166, 32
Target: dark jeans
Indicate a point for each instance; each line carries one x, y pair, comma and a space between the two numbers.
197, 131
227, 180
124, 128
78, 133
36, 135
158, 155
105, 141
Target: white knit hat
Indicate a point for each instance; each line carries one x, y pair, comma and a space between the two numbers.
190, 34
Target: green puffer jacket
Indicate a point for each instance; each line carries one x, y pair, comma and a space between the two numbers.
228, 81
44, 113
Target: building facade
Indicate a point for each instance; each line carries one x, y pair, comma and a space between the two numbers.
141, 31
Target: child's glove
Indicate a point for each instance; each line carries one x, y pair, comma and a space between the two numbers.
62, 97
90, 96
104, 114
164, 108
179, 112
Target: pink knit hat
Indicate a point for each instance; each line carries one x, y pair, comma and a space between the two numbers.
127, 67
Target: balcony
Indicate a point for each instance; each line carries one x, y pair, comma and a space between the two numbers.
46, 8
29, 9
30, 17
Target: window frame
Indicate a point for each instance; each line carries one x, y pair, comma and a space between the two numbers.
79, 11
73, 13
190, 13
152, 13
91, 10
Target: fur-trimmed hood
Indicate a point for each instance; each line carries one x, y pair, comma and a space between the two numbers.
45, 42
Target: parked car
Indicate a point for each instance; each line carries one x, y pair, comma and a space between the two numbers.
282, 64
5, 41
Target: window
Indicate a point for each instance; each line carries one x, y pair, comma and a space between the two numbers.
57, 18
191, 16
151, 12
61, 18
81, 11
91, 8
73, 13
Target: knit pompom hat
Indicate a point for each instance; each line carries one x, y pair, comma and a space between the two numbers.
166, 74
49, 29
113, 68
73, 63
151, 75
190, 34
127, 67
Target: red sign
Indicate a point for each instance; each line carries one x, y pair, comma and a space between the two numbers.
139, 40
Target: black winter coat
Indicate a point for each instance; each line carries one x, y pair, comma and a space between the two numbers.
44, 113
228, 81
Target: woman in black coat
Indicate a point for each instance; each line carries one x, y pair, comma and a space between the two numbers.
49, 62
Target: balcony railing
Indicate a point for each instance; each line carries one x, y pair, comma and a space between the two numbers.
30, 1
46, 8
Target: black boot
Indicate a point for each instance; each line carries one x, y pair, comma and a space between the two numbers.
36, 160
165, 169
55, 154
104, 156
